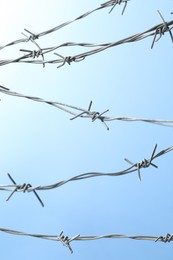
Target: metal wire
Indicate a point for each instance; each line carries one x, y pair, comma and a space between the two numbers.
34, 36
133, 168
86, 113
65, 240
157, 31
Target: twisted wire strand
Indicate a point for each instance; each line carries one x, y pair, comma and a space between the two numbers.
133, 168
33, 36
86, 113
104, 5
157, 31
65, 240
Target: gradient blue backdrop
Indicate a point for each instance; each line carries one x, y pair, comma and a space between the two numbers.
40, 145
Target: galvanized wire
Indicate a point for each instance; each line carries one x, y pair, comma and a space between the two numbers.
65, 240
157, 31
133, 168
34, 36
86, 113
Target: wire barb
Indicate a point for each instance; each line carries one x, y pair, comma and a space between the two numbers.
133, 168
32, 36
113, 3
68, 59
24, 187
34, 53
145, 163
65, 240
93, 115
84, 112
119, 2
161, 29
167, 238
97, 115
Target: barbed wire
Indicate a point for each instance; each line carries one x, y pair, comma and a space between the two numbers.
65, 240
36, 36
86, 113
133, 168
157, 31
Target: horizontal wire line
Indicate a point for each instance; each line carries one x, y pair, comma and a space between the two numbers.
133, 168
159, 29
86, 113
65, 240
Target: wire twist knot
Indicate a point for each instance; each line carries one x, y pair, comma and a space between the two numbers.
92, 115
68, 59
34, 54
114, 3
24, 187
65, 240
97, 115
144, 164
32, 36
160, 30
167, 238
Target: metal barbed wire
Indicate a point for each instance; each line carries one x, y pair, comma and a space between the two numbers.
35, 36
160, 30
86, 113
133, 168
65, 240
157, 31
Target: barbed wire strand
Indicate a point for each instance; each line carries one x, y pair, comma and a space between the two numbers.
160, 30
65, 240
86, 113
157, 31
133, 168
34, 36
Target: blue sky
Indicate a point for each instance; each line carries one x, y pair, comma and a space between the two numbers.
40, 145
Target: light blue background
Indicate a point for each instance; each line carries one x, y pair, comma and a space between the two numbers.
40, 145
